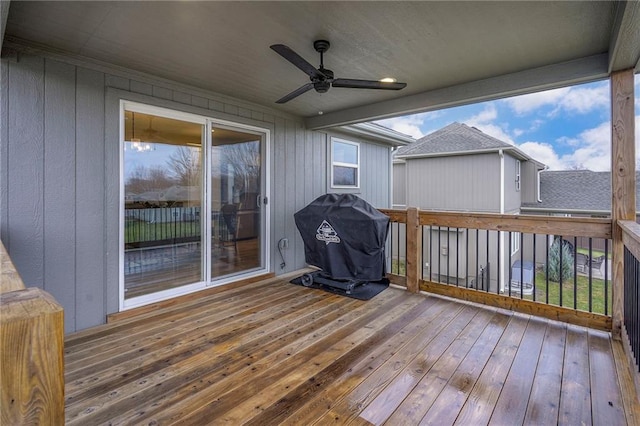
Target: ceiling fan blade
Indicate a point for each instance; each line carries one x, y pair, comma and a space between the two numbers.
367, 84
299, 91
297, 60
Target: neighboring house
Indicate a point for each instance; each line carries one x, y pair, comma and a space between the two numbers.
460, 168
575, 193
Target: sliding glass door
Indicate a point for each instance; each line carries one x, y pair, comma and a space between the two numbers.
236, 199
176, 167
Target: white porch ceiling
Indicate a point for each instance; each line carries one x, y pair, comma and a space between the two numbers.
448, 53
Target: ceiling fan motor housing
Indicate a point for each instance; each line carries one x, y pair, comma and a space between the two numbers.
322, 82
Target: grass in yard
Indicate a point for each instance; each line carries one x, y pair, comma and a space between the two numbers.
137, 231
594, 253
398, 267
574, 295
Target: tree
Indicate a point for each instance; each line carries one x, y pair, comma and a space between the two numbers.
143, 179
185, 165
557, 269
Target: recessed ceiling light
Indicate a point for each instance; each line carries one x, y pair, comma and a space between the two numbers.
388, 80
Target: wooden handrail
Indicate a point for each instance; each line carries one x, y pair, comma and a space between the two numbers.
31, 351
631, 236
574, 226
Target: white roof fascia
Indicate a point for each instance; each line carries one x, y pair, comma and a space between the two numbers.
378, 133
512, 149
568, 211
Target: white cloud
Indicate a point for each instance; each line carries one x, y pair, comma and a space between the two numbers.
594, 151
544, 153
409, 125
577, 99
526, 103
585, 99
484, 122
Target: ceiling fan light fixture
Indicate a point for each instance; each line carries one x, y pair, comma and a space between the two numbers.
388, 80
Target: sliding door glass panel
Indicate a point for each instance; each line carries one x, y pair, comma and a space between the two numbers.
236, 211
163, 198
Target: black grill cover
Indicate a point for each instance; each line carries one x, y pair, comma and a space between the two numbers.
344, 236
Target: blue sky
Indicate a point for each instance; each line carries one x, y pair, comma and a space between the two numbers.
566, 128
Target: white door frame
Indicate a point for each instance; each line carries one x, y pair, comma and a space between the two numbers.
265, 236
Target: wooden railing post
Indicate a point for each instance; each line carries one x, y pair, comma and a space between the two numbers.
31, 352
623, 181
414, 250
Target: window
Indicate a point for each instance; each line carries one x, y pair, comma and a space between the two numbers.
515, 242
345, 164
517, 175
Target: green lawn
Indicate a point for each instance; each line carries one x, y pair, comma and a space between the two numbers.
580, 289
138, 231
594, 253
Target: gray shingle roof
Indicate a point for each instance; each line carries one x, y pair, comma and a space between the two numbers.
454, 138
577, 190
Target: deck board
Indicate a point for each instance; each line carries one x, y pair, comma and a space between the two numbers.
274, 353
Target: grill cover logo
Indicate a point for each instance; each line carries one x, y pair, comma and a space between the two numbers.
327, 234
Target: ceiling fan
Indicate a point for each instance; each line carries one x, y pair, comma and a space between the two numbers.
321, 78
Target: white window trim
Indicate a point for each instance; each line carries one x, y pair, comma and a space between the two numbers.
518, 175
341, 164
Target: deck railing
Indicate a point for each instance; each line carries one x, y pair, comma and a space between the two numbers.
543, 265
630, 332
31, 352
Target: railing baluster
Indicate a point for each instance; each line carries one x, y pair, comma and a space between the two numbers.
590, 275
486, 267
606, 280
448, 254
430, 253
457, 256
575, 272
510, 271
535, 237
561, 241
477, 250
498, 238
546, 269
521, 265
466, 260
422, 255
439, 256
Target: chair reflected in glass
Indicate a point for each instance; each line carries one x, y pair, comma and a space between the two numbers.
228, 228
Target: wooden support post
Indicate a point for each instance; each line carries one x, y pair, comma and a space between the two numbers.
414, 250
31, 358
623, 181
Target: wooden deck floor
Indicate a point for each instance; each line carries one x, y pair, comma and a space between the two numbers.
274, 353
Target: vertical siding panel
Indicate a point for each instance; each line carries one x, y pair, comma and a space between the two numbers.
112, 202
90, 287
300, 168
289, 193
59, 186
279, 193
308, 163
25, 158
4, 147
